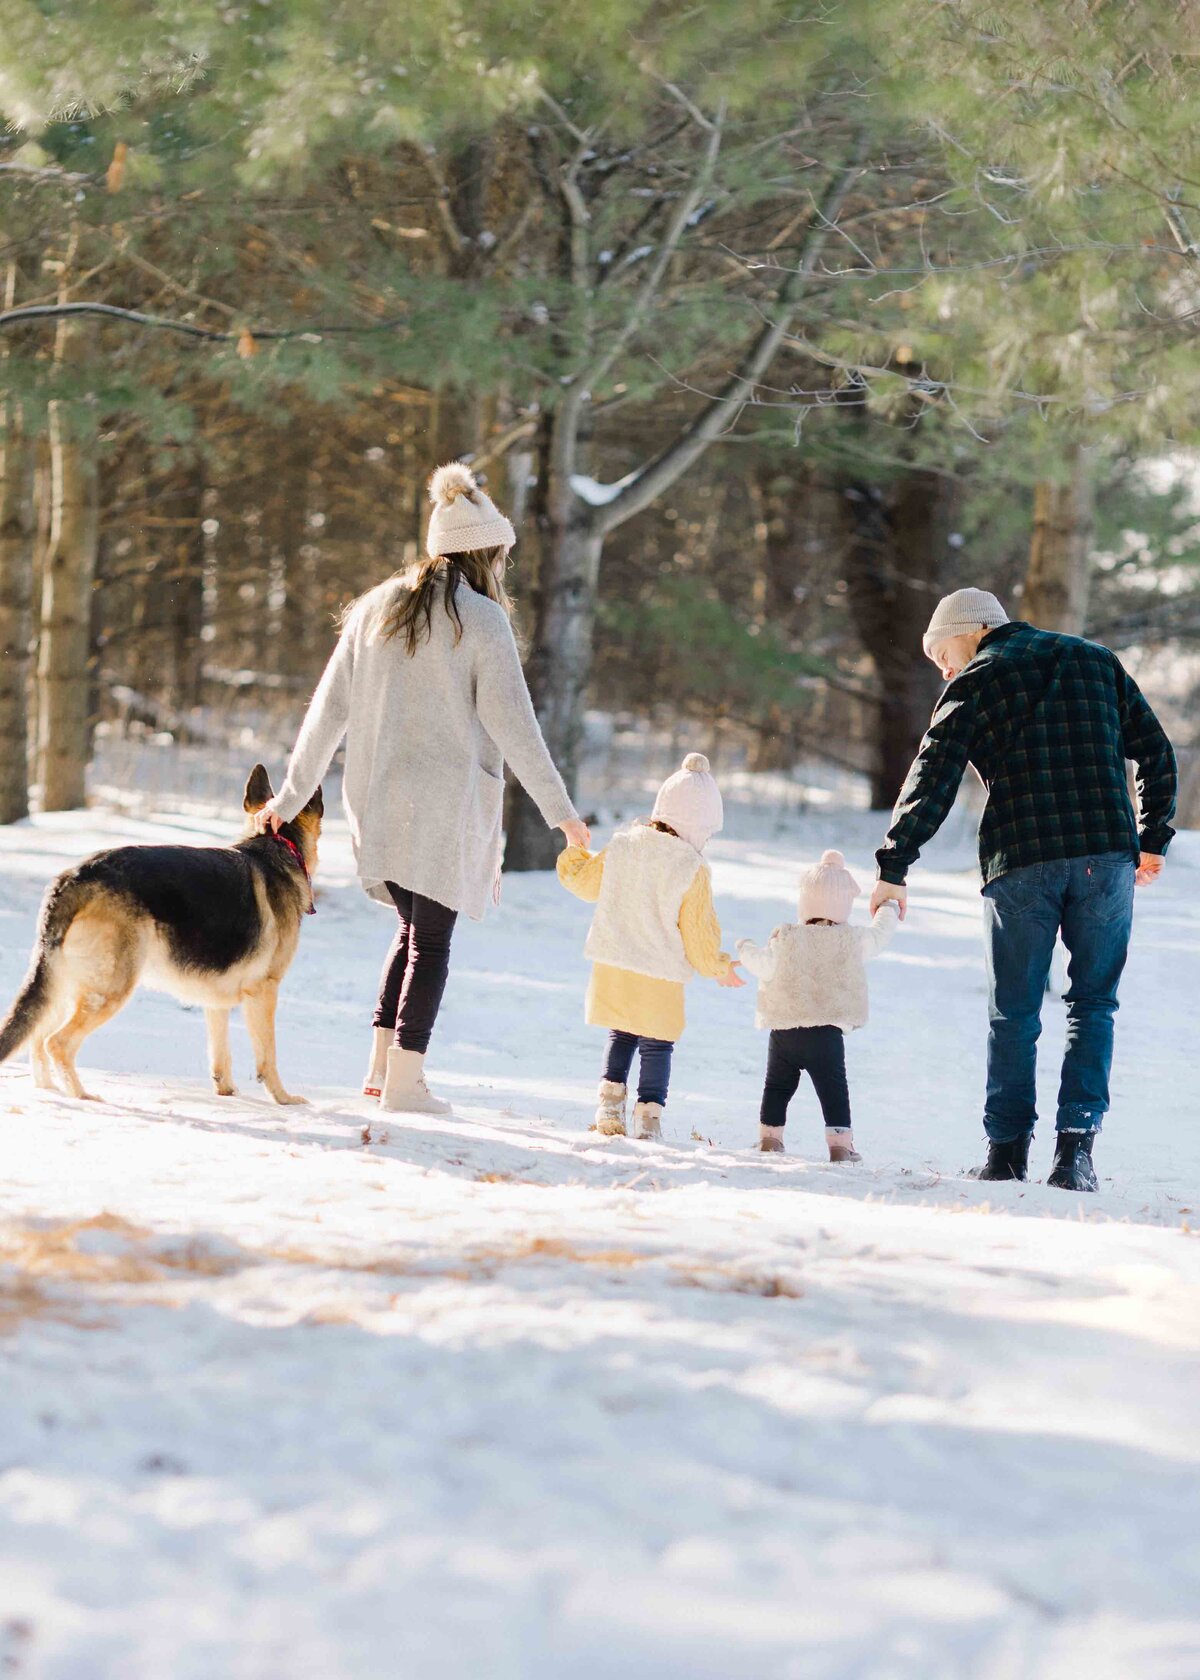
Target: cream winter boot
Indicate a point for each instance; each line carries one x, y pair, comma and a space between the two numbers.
770, 1140
647, 1120
841, 1144
404, 1088
377, 1072
610, 1112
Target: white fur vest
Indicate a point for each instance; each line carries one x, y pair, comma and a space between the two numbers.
816, 976
636, 926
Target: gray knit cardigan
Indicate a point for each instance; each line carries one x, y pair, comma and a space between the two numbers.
427, 735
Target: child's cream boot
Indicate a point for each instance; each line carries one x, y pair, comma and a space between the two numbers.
404, 1087
377, 1072
610, 1112
841, 1144
770, 1140
647, 1120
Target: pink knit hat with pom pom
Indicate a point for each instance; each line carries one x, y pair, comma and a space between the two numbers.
828, 890
690, 802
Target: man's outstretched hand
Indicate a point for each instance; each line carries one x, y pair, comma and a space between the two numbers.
885, 890
1150, 867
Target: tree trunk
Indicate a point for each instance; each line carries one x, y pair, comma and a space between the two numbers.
458, 416
16, 604
1057, 583
558, 670
66, 608
455, 426
893, 564
187, 604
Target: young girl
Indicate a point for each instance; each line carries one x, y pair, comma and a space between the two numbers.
426, 685
812, 991
653, 929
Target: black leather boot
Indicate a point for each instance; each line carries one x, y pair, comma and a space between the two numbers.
1073, 1169
1006, 1160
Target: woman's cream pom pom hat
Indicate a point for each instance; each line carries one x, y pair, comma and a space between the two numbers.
828, 890
464, 516
690, 802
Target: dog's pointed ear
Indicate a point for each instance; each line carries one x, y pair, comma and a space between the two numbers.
316, 804
258, 790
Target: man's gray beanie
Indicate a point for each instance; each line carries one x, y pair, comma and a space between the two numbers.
962, 612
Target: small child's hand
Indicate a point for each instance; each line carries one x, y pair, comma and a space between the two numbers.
731, 977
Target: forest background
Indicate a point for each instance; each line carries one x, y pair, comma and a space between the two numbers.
769, 322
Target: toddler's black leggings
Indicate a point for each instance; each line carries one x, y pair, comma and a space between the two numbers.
817, 1051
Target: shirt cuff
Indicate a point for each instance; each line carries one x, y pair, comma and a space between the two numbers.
895, 874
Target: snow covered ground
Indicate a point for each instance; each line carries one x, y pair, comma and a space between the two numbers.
295, 1395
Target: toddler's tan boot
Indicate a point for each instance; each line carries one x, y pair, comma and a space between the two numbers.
610, 1111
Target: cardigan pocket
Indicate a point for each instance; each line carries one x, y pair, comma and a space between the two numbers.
487, 807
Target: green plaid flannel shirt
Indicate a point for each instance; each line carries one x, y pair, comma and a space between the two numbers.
1048, 721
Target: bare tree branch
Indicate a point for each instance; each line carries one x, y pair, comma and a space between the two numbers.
659, 474
688, 204
164, 323
455, 237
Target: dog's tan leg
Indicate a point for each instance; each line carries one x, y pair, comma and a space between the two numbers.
220, 1057
91, 1010
258, 1008
43, 1073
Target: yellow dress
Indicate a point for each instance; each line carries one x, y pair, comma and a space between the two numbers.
638, 1003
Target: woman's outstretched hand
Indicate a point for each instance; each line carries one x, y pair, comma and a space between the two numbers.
266, 819
577, 833
732, 978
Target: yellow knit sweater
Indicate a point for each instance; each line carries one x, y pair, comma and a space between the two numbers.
638, 1003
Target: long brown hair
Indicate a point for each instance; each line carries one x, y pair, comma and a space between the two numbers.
405, 603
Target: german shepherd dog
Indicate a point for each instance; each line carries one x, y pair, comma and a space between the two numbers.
211, 925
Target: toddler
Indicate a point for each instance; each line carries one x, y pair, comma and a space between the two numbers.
812, 991
654, 928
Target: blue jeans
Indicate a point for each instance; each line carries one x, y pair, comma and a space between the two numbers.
654, 1066
1090, 901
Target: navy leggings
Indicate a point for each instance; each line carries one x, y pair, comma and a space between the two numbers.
414, 974
817, 1051
654, 1066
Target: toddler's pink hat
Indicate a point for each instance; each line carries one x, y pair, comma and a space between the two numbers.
828, 890
690, 802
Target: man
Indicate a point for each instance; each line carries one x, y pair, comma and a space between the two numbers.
1048, 721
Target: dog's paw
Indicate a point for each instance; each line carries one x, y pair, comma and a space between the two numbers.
224, 1090
286, 1100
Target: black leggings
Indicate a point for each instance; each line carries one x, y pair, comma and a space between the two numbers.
414, 975
818, 1051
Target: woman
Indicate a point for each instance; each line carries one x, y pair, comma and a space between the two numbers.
426, 685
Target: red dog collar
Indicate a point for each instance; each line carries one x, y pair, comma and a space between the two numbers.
299, 857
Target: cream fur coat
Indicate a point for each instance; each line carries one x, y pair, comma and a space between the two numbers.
636, 925
816, 976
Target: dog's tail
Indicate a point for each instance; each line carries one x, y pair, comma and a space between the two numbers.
64, 899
